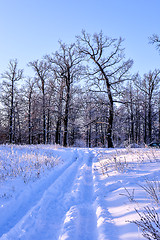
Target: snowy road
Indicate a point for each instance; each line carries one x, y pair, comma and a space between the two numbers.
83, 198
65, 210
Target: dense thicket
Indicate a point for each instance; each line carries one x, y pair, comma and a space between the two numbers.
81, 95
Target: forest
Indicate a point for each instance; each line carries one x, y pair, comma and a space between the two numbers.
84, 94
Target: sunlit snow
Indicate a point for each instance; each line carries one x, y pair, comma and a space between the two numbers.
49, 192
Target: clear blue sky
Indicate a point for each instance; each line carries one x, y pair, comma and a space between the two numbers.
31, 28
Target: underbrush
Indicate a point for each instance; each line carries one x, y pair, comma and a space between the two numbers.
124, 160
27, 162
148, 218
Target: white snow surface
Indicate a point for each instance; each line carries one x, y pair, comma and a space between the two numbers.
49, 192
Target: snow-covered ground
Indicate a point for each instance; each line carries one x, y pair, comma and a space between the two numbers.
48, 192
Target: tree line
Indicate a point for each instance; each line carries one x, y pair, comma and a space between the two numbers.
81, 95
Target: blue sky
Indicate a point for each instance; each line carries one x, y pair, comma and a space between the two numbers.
31, 28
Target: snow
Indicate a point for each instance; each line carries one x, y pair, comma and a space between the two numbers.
49, 192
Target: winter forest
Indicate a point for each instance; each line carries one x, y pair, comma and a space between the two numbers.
84, 94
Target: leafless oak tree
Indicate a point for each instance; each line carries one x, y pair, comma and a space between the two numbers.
66, 64
109, 67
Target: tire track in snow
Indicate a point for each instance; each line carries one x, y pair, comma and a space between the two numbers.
106, 228
28, 205
65, 210
80, 220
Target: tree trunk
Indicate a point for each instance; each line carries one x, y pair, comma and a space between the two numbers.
136, 127
102, 136
65, 135
48, 125
44, 114
19, 139
111, 111
29, 120
58, 132
110, 117
145, 124
11, 115
109, 129
59, 121
96, 140
149, 121
132, 123
89, 137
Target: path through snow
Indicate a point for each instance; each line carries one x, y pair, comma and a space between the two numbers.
65, 210
82, 199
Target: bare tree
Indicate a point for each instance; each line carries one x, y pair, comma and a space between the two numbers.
109, 68
149, 86
154, 39
11, 76
41, 69
59, 119
29, 91
67, 65
59, 88
50, 106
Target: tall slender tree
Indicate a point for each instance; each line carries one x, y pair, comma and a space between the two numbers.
29, 91
11, 77
41, 69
